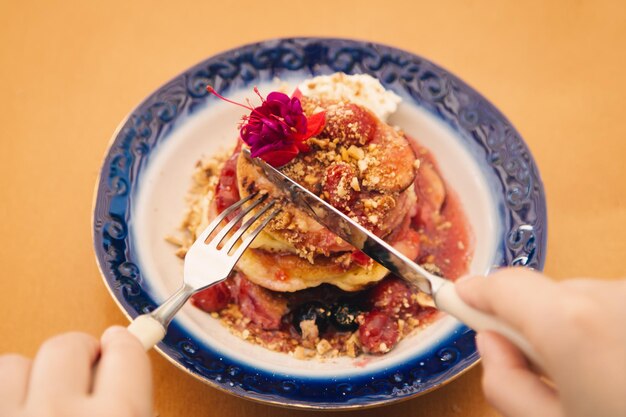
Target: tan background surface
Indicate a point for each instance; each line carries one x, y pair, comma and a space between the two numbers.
71, 70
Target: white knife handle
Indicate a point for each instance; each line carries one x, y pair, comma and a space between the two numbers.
448, 300
148, 330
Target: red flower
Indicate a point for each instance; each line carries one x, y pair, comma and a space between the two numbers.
276, 130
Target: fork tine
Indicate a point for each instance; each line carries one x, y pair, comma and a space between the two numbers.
248, 240
222, 234
233, 240
216, 222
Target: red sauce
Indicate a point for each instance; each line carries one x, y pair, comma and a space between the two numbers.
449, 247
445, 238
361, 258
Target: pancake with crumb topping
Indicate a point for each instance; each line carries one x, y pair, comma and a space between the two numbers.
360, 165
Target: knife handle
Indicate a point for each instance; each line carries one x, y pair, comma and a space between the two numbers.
448, 300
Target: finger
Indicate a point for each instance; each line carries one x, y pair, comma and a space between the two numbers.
63, 367
15, 371
508, 383
594, 286
124, 370
518, 296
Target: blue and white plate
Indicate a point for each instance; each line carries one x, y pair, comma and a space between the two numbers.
147, 173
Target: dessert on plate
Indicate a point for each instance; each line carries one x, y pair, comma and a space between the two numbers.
299, 288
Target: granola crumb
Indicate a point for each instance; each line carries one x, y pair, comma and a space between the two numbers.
362, 164
445, 226
424, 299
174, 240
310, 332
356, 153
323, 346
401, 325
353, 346
303, 353
310, 179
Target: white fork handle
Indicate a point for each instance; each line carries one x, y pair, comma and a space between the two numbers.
448, 300
148, 330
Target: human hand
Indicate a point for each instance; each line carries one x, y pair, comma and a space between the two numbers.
74, 375
578, 328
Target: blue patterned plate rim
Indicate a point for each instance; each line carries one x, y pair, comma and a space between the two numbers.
476, 121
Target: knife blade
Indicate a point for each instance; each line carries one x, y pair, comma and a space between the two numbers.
442, 290
351, 231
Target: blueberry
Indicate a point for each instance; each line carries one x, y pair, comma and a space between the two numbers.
312, 311
344, 317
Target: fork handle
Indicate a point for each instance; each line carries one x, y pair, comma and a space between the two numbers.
448, 300
148, 330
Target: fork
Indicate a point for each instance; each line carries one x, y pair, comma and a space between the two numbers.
207, 263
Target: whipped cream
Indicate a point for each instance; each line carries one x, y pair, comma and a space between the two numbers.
361, 89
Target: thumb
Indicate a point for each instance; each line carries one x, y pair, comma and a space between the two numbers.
124, 370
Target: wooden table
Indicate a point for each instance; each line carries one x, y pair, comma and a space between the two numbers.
71, 70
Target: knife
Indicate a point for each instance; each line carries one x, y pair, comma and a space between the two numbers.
442, 290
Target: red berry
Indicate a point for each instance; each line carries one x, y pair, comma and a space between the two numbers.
379, 332
260, 305
227, 190
350, 123
394, 297
337, 185
214, 298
